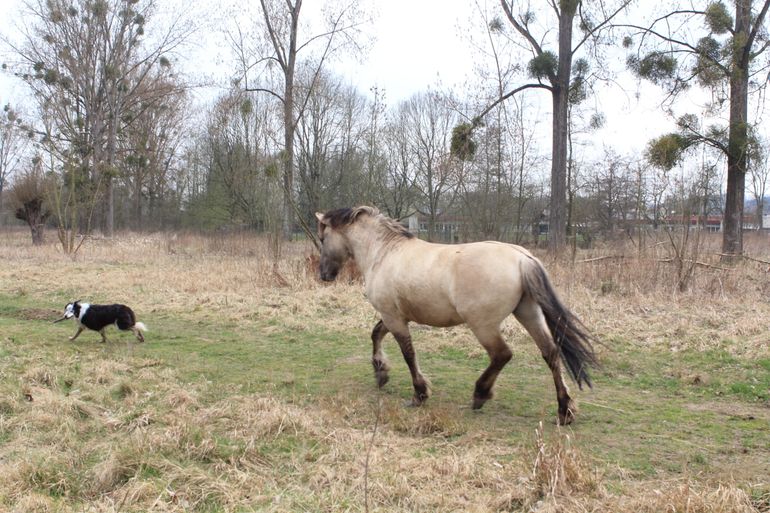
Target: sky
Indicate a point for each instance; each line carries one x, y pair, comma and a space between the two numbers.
417, 44
420, 44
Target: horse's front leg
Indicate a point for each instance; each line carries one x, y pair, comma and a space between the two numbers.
400, 331
379, 361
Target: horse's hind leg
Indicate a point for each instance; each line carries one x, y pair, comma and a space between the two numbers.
379, 362
531, 317
499, 355
400, 331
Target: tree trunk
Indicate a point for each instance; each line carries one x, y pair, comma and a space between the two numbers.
109, 193
38, 233
109, 213
288, 123
557, 229
138, 225
732, 240
288, 159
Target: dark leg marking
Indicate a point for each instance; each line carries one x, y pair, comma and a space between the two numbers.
77, 333
531, 317
567, 408
379, 362
499, 355
421, 388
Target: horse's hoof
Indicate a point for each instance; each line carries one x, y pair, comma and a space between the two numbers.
480, 399
478, 403
419, 399
412, 403
565, 419
567, 414
382, 379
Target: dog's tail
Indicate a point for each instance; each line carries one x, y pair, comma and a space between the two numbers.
140, 326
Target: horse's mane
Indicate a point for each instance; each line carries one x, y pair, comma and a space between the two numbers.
390, 228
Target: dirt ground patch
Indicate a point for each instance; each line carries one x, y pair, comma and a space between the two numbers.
38, 314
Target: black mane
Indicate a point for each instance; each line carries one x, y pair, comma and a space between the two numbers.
340, 217
347, 216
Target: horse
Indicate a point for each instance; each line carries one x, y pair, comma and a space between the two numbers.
478, 284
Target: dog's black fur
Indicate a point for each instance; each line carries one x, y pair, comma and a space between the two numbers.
98, 317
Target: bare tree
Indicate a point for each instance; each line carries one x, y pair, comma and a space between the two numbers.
88, 63
429, 120
149, 146
563, 79
725, 58
398, 194
241, 139
759, 167
28, 196
330, 157
13, 142
276, 53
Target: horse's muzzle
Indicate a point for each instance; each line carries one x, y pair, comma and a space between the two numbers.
328, 275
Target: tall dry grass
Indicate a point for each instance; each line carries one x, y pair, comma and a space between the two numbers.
233, 276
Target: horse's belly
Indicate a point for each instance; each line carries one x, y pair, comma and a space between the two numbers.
432, 314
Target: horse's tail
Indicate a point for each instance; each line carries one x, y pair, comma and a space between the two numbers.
569, 334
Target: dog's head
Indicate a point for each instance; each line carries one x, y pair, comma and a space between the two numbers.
71, 310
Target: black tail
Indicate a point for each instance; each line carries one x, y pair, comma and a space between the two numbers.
569, 334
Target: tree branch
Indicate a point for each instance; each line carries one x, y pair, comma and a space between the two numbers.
600, 26
263, 90
520, 28
280, 54
755, 29
477, 120
684, 44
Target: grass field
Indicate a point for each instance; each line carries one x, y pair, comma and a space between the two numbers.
254, 390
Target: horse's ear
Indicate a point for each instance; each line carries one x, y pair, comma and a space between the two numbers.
321, 225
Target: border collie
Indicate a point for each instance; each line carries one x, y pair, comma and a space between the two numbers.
98, 317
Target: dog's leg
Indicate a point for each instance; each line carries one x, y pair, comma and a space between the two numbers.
104, 336
79, 331
138, 333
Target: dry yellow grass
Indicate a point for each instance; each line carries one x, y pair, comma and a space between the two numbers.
161, 438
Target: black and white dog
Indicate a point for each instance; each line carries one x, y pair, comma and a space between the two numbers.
98, 317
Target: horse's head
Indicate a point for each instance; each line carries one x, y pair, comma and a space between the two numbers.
334, 247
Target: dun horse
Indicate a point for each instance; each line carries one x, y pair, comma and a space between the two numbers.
478, 284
